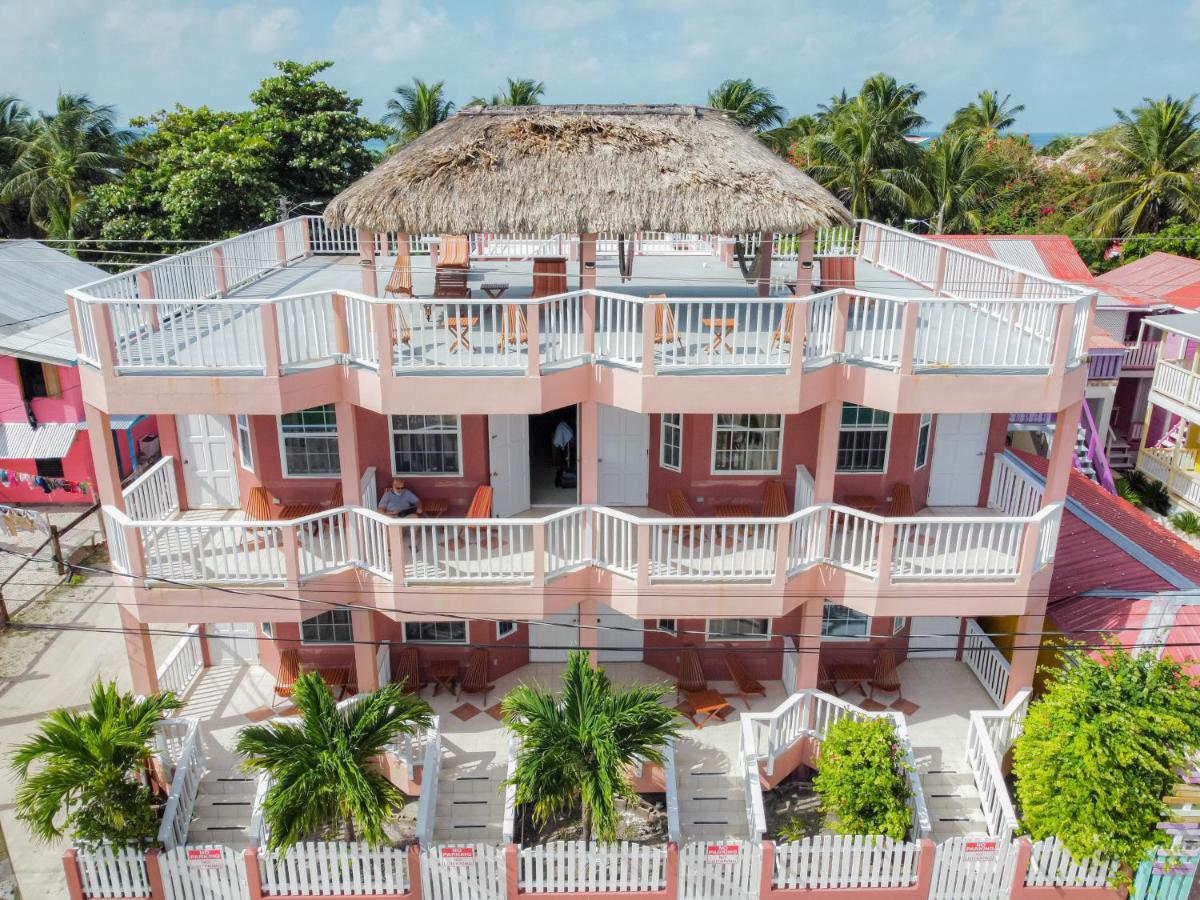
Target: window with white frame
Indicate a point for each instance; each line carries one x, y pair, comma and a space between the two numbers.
669, 626
505, 628
435, 632
739, 629
924, 430
899, 623
310, 445
749, 443
670, 442
245, 449
840, 621
331, 627
426, 445
863, 439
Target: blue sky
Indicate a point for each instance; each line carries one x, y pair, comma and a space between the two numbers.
1069, 61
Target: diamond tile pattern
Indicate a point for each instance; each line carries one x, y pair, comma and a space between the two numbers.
871, 705
466, 712
905, 706
493, 711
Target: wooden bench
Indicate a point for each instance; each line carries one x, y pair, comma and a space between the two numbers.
774, 503
679, 508
902, 501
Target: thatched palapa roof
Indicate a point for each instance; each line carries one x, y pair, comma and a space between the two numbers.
583, 169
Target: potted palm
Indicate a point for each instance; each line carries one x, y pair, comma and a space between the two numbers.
324, 778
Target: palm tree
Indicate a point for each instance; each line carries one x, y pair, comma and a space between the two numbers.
962, 181
988, 114
748, 104
521, 92
81, 773
784, 139
1148, 164
14, 123
415, 109
576, 746
891, 104
321, 768
61, 157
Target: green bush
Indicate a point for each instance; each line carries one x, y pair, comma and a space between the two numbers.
862, 779
1187, 522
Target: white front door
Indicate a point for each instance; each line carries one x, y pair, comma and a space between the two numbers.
508, 451
932, 637
232, 643
624, 457
959, 445
620, 636
209, 477
551, 638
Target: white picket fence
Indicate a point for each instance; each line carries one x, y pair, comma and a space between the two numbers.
720, 870
183, 664
107, 871
846, 861
987, 662
335, 867
1051, 865
580, 866
463, 872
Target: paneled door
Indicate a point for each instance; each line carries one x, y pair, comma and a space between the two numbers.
508, 449
959, 445
624, 465
206, 443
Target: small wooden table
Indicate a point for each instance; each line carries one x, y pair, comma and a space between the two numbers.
444, 673
459, 327
335, 677
706, 703
494, 289
434, 509
853, 673
863, 502
721, 329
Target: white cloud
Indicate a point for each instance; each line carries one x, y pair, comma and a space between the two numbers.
391, 31
562, 15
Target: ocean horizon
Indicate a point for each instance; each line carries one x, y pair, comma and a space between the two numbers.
1039, 139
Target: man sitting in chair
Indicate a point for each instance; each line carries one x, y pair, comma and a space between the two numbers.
399, 501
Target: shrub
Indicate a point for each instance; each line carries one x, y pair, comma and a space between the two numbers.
862, 778
1187, 522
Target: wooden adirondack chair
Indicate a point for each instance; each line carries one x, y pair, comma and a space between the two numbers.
783, 334
886, 678
742, 679
475, 678
902, 501
774, 503
691, 674
285, 678
480, 508
665, 331
679, 508
408, 670
514, 327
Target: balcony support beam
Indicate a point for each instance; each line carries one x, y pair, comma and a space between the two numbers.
762, 272
347, 440
808, 643
1062, 452
104, 457
366, 673
139, 648
366, 262
827, 441
589, 452
1027, 644
804, 263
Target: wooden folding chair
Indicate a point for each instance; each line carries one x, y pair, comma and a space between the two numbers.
774, 503
742, 679
285, 678
514, 327
783, 334
887, 677
475, 678
257, 509
665, 330
902, 501
691, 674
679, 508
480, 508
408, 670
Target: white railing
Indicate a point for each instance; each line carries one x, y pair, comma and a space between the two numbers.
1141, 354
1175, 382
334, 867
410, 749
986, 661
368, 488
829, 861
327, 240
308, 330
836, 240
566, 541
1012, 490
583, 867
928, 549
791, 664
466, 550
1051, 865
990, 735
183, 663
108, 871
614, 541
430, 773
170, 740
258, 831
185, 336
921, 825
508, 827
756, 816
114, 536
189, 768
153, 494
706, 549
671, 782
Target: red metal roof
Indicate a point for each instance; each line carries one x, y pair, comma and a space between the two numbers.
1154, 280
1047, 254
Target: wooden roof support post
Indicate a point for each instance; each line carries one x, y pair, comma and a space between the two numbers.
763, 272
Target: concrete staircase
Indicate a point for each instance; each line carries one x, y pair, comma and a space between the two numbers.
953, 802
223, 808
711, 788
470, 798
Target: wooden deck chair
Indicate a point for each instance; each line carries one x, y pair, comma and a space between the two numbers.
475, 678
400, 283
665, 330
691, 673
454, 252
679, 508
408, 670
337, 498
886, 678
514, 327
450, 284
257, 509
902, 501
285, 678
774, 503
825, 681
480, 508
742, 680
783, 334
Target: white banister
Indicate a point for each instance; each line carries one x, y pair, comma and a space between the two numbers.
990, 735
153, 494
189, 768
671, 781
427, 802
986, 661
183, 663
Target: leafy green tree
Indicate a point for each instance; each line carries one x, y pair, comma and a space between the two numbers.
1178, 237
862, 779
962, 181
323, 774
1056, 147
80, 774
1100, 749
576, 746
988, 114
415, 109
60, 158
748, 104
1147, 166
519, 92
14, 123
790, 138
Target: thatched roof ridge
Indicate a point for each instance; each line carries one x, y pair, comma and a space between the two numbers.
578, 169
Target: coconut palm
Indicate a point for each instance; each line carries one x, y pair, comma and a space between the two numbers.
521, 92
747, 103
988, 114
321, 767
61, 157
962, 181
576, 746
14, 122
791, 135
416, 108
891, 104
1148, 164
82, 773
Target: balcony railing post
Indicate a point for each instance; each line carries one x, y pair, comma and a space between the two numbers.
589, 324
649, 309
397, 552
539, 554
533, 340
783, 543
908, 335
281, 246
269, 315
841, 321
291, 555
1018, 286
1062, 339
106, 346
939, 277
341, 333
306, 235
886, 550
798, 336
218, 262
643, 555
381, 322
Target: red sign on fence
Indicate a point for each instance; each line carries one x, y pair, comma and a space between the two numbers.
981, 849
205, 857
722, 853
458, 856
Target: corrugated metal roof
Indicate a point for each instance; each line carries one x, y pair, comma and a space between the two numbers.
50, 440
34, 279
1187, 324
1046, 254
1157, 279
49, 341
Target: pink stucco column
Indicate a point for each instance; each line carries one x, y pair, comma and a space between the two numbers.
804, 263
808, 642
73, 878
253, 872
589, 452
1062, 452
139, 648
589, 637
827, 442
366, 261
347, 435
363, 625
763, 274
104, 457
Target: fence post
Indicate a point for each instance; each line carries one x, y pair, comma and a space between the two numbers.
767, 876
1021, 865
671, 888
908, 335
512, 871
253, 873
649, 310
71, 868
414, 871
56, 551
533, 340
281, 245
269, 316
218, 261
154, 874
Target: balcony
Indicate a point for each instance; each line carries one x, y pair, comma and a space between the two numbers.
285, 306
1176, 469
645, 562
1177, 388
1140, 355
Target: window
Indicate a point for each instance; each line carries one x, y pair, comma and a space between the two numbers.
899, 624
747, 443
863, 439
49, 468
668, 625
331, 627
670, 443
923, 432
309, 439
739, 629
245, 450
426, 445
38, 379
268, 629
843, 622
435, 632
505, 628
